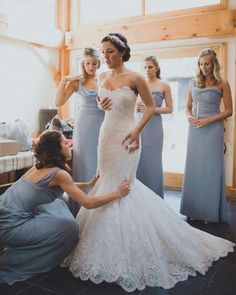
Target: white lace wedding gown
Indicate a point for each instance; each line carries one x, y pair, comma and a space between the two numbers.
139, 240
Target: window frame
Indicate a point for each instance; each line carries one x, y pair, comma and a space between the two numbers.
223, 5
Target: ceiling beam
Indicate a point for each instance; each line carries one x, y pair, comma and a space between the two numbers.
148, 29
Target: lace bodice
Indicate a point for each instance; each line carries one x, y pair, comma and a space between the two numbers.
120, 118
117, 123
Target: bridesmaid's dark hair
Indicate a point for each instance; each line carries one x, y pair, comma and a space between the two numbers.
120, 42
47, 151
153, 59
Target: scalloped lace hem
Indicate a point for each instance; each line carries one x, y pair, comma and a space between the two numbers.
151, 279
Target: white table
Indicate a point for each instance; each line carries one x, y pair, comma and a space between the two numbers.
16, 162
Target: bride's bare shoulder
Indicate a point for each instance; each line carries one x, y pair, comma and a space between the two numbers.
135, 74
103, 75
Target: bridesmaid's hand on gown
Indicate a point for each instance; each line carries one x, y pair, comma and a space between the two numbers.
123, 189
92, 182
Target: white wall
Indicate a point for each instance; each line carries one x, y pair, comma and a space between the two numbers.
26, 84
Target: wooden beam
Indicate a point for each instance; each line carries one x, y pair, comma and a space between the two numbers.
146, 29
232, 189
63, 22
43, 41
48, 63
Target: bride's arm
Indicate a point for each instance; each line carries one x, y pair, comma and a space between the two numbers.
131, 140
146, 95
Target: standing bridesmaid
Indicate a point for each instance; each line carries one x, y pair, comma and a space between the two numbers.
150, 171
88, 120
203, 196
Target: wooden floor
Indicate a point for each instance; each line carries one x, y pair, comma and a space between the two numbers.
219, 280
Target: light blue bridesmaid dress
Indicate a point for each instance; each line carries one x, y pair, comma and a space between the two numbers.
37, 230
150, 171
203, 195
85, 138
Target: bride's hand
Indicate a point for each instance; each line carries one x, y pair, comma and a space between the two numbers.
131, 141
123, 189
104, 103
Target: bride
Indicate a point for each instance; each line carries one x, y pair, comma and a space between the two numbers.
136, 241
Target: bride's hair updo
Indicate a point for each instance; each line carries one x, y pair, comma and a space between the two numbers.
120, 42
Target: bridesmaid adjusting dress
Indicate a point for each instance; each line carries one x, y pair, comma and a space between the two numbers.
37, 230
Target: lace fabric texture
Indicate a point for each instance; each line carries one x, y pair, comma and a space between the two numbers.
138, 240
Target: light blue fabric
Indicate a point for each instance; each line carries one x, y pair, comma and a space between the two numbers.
150, 171
36, 229
85, 138
203, 195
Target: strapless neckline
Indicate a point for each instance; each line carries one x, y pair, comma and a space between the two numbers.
118, 89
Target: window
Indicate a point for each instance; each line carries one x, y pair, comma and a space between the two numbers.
102, 10
178, 72
154, 6
92, 11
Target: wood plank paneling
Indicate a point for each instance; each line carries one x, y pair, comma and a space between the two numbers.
146, 29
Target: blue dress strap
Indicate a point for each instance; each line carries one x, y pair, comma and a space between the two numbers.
47, 177
192, 83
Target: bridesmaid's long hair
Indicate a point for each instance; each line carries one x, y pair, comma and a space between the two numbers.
153, 59
93, 53
47, 151
200, 78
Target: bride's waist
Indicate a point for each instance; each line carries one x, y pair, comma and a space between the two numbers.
118, 125
111, 139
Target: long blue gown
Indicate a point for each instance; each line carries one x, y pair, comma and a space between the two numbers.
203, 195
150, 170
36, 228
85, 138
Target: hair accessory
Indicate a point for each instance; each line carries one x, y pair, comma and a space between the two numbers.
116, 40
